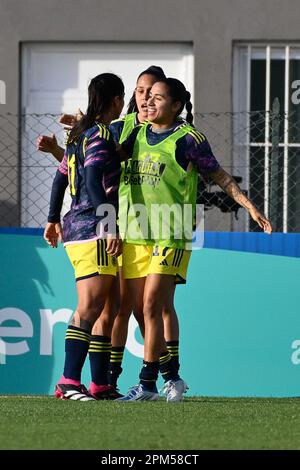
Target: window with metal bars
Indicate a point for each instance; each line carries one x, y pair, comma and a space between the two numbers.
267, 130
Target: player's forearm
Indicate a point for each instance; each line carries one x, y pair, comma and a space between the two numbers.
230, 187
57, 196
58, 153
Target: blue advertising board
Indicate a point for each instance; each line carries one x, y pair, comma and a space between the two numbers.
238, 313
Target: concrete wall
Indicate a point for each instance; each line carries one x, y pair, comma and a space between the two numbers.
212, 26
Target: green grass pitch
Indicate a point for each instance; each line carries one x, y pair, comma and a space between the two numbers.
197, 423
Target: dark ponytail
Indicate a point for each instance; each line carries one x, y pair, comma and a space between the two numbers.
178, 92
101, 91
132, 107
154, 70
188, 106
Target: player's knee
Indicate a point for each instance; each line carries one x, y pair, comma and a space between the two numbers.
124, 311
109, 313
152, 308
88, 311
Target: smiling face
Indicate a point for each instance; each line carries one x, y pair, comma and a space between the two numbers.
142, 92
162, 110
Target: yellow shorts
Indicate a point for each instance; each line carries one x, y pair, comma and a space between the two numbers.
91, 259
141, 260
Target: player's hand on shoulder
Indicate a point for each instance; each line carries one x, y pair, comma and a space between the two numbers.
69, 120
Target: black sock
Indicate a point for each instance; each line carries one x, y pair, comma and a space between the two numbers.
148, 375
167, 368
99, 354
173, 348
77, 343
115, 365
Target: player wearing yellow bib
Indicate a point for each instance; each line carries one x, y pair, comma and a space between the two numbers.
121, 129
166, 157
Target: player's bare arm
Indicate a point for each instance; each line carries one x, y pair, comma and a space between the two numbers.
230, 186
48, 143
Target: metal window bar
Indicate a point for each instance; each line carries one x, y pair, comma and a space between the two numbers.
267, 128
249, 55
286, 138
274, 209
267, 145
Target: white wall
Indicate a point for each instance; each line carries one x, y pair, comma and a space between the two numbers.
55, 78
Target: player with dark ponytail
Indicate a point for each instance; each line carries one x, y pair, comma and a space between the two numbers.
166, 156
91, 168
156, 73
102, 89
137, 113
